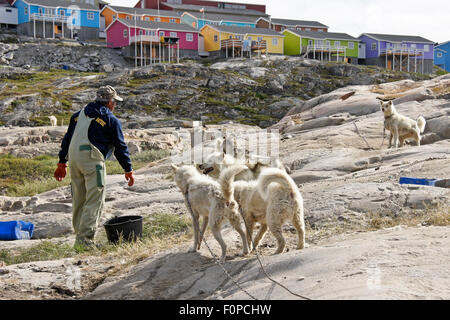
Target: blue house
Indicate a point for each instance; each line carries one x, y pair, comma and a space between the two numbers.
199, 19
399, 52
442, 56
57, 19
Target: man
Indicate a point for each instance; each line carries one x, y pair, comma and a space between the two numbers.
94, 133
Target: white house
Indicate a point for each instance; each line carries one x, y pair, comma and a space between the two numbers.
8, 15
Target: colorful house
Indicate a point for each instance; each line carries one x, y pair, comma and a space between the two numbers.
151, 41
442, 55
199, 19
195, 5
115, 12
325, 46
230, 41
8, 15
282, 24
398, 52
57, 19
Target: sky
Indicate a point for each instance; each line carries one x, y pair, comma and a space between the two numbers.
429, 19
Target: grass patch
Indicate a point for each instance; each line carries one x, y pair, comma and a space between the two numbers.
24, 177
430, 217
46, 250
160, 232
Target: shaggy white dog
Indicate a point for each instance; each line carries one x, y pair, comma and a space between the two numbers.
53, 121
203, 198
270, 201
401, 127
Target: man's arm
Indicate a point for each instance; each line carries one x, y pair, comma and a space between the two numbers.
121, 150
67, 138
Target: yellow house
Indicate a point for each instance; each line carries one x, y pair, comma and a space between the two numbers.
215, 38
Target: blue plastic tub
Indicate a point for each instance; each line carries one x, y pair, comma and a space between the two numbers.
16, 230
423, 182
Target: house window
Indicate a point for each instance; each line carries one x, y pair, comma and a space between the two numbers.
90, 16
439, 54
114, 17
158, 19
413, 45
140, 32
307, 29
8, 10
426, 48
374, 46
216, 38
189, 37
250, 38
260, 39
319, 43
147, 18
351, 45
320, 30
328, 43
337, 44
25, 11
172, 20
61, 13
128, 17
173, 34
274, 41
125, 33
310, 42
40, 11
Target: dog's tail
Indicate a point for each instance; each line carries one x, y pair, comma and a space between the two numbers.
421, 123
226, 180
274, 175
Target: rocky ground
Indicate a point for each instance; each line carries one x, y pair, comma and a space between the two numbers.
337, 156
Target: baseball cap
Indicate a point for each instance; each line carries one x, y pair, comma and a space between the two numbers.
107, 93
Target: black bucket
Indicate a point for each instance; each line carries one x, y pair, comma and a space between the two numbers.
129, 228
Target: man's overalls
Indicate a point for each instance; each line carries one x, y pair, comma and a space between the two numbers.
88, 173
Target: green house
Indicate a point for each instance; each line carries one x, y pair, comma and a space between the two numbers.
324, 46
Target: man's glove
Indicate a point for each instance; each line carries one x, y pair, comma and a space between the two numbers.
130, 178
60, 172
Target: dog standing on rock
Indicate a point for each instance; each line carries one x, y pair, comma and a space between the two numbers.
401, 127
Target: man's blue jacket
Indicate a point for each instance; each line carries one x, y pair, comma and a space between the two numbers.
105, 132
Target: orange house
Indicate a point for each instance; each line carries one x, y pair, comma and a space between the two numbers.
113, 12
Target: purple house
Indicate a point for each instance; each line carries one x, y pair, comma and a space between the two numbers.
396, 52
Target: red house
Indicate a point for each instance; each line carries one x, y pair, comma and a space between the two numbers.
148, 41
166, 5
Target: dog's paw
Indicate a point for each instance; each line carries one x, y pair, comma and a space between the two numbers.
192, 250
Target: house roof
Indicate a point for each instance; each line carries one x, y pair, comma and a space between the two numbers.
192, 7
61, 4
246, 30
288, 22
151, 25
397, 38
140, 11
222, 17
442, 44
322, 35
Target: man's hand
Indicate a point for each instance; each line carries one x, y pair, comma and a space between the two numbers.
130, 178
60, 172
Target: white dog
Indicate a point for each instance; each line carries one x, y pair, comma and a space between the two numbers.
217, 161
53, 121
270, 201
401, 127
203, 198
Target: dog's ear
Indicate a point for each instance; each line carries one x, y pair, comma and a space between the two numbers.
174, 167
389, 103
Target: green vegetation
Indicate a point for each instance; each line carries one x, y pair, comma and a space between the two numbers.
27, 177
